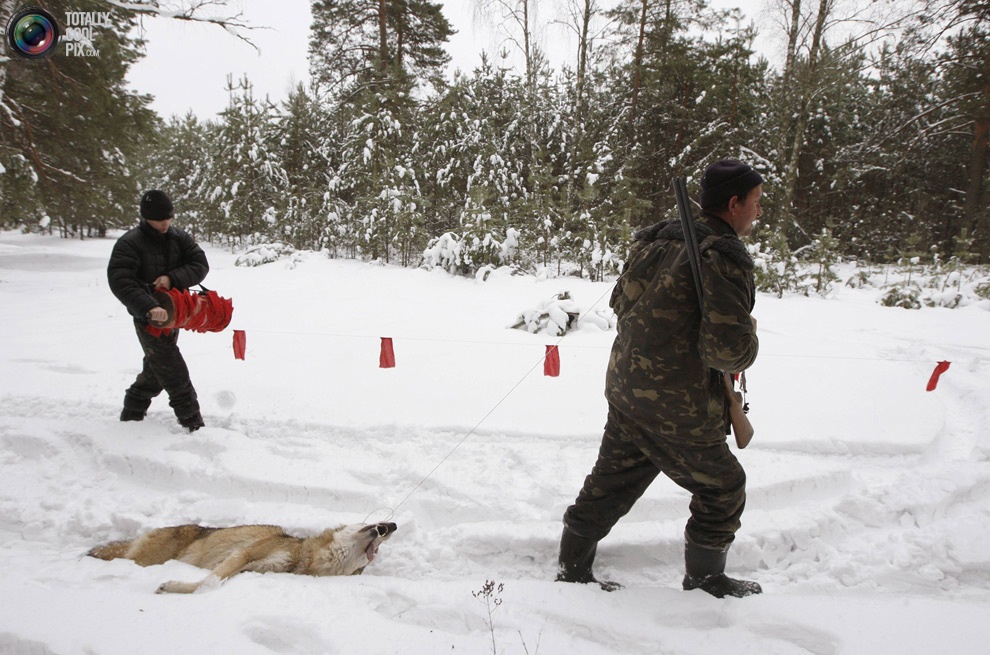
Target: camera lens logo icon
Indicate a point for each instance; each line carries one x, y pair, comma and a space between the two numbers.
32, 33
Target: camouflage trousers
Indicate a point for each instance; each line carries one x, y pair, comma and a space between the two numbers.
163, 369
631, 457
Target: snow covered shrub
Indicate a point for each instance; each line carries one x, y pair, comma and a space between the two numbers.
776, 268
485, 273
977, 290
554, 316
560, 314
444, 252
467, 254
907, 296
822, 255
509, 246
860, 279
950, 299
264, 253
602, 318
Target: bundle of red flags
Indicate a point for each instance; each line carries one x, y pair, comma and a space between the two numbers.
203, 311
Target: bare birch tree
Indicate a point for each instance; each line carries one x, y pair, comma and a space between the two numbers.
822, 36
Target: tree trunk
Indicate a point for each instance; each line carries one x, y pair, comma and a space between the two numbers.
807, 87
7, 8
382, 39
582, 27
638, 64
582, 61
975, 212
792, 40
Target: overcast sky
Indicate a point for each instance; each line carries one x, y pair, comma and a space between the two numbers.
187, 64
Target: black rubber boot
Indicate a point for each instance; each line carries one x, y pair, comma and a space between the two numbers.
193, 422
128, 414
705, 570
577, 554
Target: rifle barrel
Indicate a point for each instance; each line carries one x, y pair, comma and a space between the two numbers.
690, 235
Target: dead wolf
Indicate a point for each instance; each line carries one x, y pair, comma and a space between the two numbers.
344, 550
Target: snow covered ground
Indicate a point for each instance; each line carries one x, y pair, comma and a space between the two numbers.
869, 499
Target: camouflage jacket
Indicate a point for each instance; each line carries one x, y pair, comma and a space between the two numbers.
663, 369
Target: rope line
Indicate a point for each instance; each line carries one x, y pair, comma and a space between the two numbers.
485, 417
423, 339
608, 347
468, 434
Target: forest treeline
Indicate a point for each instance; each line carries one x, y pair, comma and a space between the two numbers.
872, 134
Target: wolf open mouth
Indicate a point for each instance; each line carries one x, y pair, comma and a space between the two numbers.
382, 531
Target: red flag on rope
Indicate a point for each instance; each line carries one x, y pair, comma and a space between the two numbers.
240, 344
551, 363
387, 357
939, 370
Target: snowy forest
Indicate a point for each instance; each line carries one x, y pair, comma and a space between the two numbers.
872, 132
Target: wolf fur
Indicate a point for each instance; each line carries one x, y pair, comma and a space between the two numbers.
344, 550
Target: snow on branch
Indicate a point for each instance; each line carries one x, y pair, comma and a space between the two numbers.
192, 11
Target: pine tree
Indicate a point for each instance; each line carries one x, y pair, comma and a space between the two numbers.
776, 266
73, 136
306, 145
179, 160
371, 56
480, 156
822, 254
366, 45
245, 184
72, 133
967, 80
690, 99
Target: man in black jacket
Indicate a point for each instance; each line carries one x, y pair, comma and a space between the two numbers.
156, 256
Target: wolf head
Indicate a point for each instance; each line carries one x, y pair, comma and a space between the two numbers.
376, 534
350, 548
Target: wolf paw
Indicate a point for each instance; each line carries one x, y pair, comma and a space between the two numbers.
173, 587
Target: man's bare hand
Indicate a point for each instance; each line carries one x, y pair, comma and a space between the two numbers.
163, 282
158, 314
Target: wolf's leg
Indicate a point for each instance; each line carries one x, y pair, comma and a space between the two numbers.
176, 587
234, 564
111, 551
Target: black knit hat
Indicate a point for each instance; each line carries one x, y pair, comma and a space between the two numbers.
724, 179
156, 206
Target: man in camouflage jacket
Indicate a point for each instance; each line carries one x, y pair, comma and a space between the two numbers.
667, 411
157, 256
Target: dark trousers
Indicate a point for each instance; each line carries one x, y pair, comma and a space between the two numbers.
165, 369
631, 457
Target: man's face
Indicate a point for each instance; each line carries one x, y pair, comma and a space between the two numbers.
161, 226
743, 214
